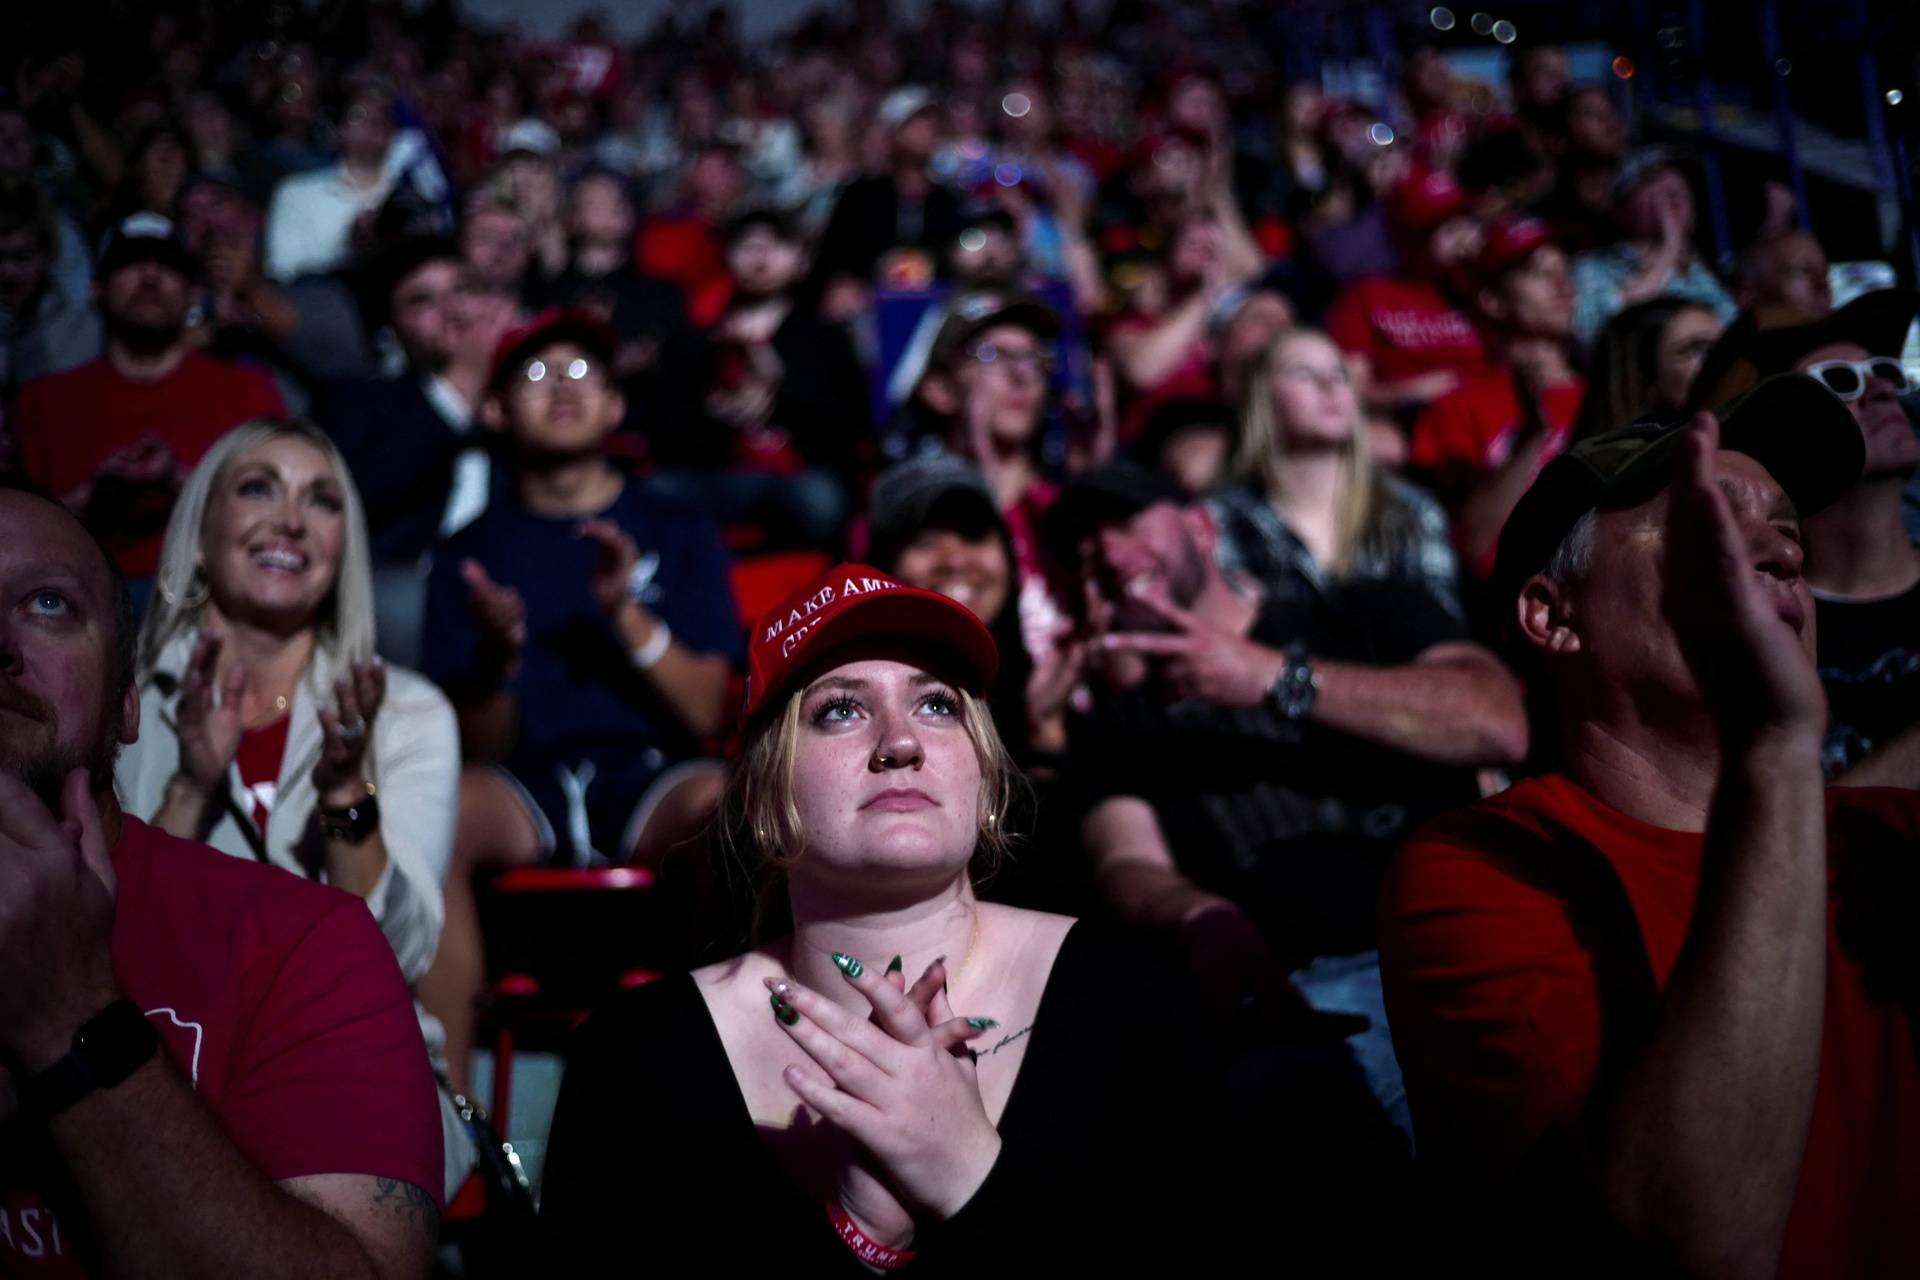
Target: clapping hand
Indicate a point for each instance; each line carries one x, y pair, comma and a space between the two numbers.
346, 730
1196, 659
1727, 613
615, 556
207, 717
501, 615
896, 1085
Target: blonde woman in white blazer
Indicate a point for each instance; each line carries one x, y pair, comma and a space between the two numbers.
268, 727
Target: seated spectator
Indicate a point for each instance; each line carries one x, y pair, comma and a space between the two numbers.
528, 178
1590, 141
1289, 687
315, 217
1190, 442
871, 789
115, 437
1408, 341
600, 610
43, 329
1644, 363
72, 264
647, 314
158, 165
1786, 269
984, 394
207, 1061
272, 730
684, 243
497, 243
1483, 444
899, 209
1654, 204
1861, 565
1164, 345
1647, 1005
784, 428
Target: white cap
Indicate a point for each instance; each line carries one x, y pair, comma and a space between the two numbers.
902, 105
532, 135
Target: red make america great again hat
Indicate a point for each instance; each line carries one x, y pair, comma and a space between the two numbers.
858, 602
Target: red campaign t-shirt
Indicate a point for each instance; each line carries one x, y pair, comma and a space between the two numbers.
68, 423
1473, 429
1495, 998
1191, 378
1404, 328
280, 1002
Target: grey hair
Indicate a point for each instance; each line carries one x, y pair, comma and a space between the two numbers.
1574, 556
181, 591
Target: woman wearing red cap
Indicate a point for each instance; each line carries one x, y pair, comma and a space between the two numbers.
805, 1105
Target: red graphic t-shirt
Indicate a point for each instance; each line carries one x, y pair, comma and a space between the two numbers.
280, 1002
68, 423
1405, 328
1500, 983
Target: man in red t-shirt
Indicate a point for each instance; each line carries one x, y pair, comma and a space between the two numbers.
115, 437
1655, 1010
207, 1066
1484, 443
1412, 343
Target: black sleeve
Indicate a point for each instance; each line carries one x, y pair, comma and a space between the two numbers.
823, 392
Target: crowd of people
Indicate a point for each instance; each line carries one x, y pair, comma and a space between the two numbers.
1163, 622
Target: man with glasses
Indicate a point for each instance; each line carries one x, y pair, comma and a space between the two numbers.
984, 397
584, 629
1861, 562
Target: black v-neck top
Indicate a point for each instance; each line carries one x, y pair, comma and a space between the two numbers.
1104, 1141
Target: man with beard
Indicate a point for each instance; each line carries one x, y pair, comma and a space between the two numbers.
207, 1067
115, 437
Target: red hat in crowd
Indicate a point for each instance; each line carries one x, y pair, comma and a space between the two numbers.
1424, 199
1510, 241
554, 324
858, 602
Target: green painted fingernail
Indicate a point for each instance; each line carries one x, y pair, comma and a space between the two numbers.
896, 966
982, 1024
848, 965
782, 1011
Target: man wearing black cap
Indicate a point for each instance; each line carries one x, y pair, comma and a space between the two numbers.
1862, 564
1653, 1008
584, 630
115, 436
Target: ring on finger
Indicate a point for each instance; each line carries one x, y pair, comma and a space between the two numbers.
355, 730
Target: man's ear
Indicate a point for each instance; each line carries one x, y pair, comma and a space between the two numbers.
1545, 616
1200, 528
130, 714
941, 395
492, 417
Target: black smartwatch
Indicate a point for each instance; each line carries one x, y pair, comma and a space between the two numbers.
1295, 689
352, 824
108, 1047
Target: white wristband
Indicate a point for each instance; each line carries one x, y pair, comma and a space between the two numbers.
648, 655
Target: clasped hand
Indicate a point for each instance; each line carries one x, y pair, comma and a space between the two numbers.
900, 1085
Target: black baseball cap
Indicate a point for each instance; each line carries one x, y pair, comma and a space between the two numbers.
1790, 424
146, 237
972, 314
938, 491
1769, 340
1102, 496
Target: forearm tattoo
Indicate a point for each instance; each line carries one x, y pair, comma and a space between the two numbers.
404, 1200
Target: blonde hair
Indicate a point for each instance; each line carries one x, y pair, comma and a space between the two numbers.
344, 627
759, 825
1365, 507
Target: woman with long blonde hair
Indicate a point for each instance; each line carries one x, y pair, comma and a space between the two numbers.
269, 728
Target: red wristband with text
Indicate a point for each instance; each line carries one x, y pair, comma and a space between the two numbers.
865, 1248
